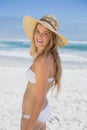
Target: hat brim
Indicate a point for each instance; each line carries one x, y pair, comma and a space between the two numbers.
29, 24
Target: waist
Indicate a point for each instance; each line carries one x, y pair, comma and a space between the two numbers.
29, 103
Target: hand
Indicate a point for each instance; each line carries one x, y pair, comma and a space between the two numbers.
29, 128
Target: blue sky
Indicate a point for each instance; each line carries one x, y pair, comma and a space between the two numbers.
72, 15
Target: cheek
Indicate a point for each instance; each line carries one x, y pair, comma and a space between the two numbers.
47, 41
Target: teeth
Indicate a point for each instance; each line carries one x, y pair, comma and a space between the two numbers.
39, 41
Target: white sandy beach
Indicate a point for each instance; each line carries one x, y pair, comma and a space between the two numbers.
69, 108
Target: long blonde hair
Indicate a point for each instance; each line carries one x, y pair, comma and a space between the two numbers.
51, 48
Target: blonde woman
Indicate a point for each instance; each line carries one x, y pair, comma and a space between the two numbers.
45, 72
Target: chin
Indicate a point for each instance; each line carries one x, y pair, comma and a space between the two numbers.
39, 46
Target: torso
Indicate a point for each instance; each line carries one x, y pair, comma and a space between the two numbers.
29, 95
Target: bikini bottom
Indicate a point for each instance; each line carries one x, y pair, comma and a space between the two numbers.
43, 115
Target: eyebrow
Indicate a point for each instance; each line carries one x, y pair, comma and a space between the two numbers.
48, 31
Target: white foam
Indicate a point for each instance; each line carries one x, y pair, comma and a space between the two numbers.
16, 53
78, 42
16, 40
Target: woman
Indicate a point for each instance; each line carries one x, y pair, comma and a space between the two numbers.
45, 71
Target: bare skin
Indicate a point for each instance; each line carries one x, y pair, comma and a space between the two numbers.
34, 99
29, 100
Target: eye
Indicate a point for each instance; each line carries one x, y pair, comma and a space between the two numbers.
46, 33
36, 31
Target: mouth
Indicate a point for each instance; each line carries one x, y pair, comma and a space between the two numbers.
39, 41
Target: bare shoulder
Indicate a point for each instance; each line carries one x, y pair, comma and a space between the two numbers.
42, 61
45, 63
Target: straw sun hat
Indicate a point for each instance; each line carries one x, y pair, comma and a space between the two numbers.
49, 21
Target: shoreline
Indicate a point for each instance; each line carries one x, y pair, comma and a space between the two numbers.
25, 61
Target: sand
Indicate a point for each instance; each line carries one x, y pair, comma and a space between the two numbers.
69, 107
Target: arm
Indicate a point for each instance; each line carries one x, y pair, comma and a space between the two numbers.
42, 74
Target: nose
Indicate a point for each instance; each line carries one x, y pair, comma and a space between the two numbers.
40, 35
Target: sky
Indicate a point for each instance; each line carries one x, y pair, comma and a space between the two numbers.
72, 15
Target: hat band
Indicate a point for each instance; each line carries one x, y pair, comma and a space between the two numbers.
48, 23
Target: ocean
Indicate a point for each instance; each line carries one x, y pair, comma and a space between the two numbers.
73, 55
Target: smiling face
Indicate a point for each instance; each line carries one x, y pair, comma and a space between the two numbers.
41, 37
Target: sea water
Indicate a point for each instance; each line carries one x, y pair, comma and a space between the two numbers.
73, 55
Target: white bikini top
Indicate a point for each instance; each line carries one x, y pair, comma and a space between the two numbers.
31, 76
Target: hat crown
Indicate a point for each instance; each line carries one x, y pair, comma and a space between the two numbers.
52, 20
